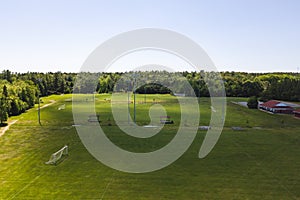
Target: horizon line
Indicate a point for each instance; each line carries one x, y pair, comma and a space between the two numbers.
189, 71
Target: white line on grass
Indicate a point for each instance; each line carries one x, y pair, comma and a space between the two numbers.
108, 184
25, 187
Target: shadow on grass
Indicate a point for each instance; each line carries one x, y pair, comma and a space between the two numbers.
64, 157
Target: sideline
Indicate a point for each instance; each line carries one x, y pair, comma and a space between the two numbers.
25, 187
7, 127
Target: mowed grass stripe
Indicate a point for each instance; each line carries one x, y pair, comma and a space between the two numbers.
249, 164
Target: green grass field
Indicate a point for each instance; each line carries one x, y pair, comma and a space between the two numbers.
256, 163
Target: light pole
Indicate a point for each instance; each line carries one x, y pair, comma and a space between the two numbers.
128, 103
39, 104
134, 99
145, 94
39, 110
199, 82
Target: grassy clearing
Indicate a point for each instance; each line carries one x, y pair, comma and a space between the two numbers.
250, 164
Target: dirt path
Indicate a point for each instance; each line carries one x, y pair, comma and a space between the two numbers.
4, 129
48, 104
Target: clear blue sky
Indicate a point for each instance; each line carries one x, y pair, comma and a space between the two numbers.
239, 35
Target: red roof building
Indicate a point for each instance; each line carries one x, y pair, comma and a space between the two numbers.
297, 113
276, 107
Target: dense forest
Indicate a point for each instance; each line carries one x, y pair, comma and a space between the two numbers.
20, 91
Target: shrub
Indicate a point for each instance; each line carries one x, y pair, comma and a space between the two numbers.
252, 103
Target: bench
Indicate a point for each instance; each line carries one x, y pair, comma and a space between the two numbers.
93, 118
166, 120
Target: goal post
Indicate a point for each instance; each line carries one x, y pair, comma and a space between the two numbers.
55, 157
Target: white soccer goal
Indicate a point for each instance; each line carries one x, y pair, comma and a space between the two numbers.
57, 155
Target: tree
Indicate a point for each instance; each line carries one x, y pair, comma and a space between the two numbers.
15, 107
31, 96
3, 111
62, 87
252, 103
5, 92
251, 88
6, 74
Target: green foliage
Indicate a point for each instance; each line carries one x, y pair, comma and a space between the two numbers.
153, 88
282, 86
285, 88
4, 91
16, 97
3, 110
252, 102
22, 89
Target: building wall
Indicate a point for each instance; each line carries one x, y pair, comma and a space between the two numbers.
283, 111
278, 110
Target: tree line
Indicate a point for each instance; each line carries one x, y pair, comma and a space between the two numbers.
20, 91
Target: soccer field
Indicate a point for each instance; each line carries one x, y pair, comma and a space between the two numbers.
260, 162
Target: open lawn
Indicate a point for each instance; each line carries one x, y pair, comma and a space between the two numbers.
260, 162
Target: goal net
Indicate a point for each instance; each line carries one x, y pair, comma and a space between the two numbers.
58, 155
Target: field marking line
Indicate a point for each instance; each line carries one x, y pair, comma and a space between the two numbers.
25, 187
107, 185
7, 127
266, 171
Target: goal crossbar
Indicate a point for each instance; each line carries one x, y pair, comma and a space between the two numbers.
57, 155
